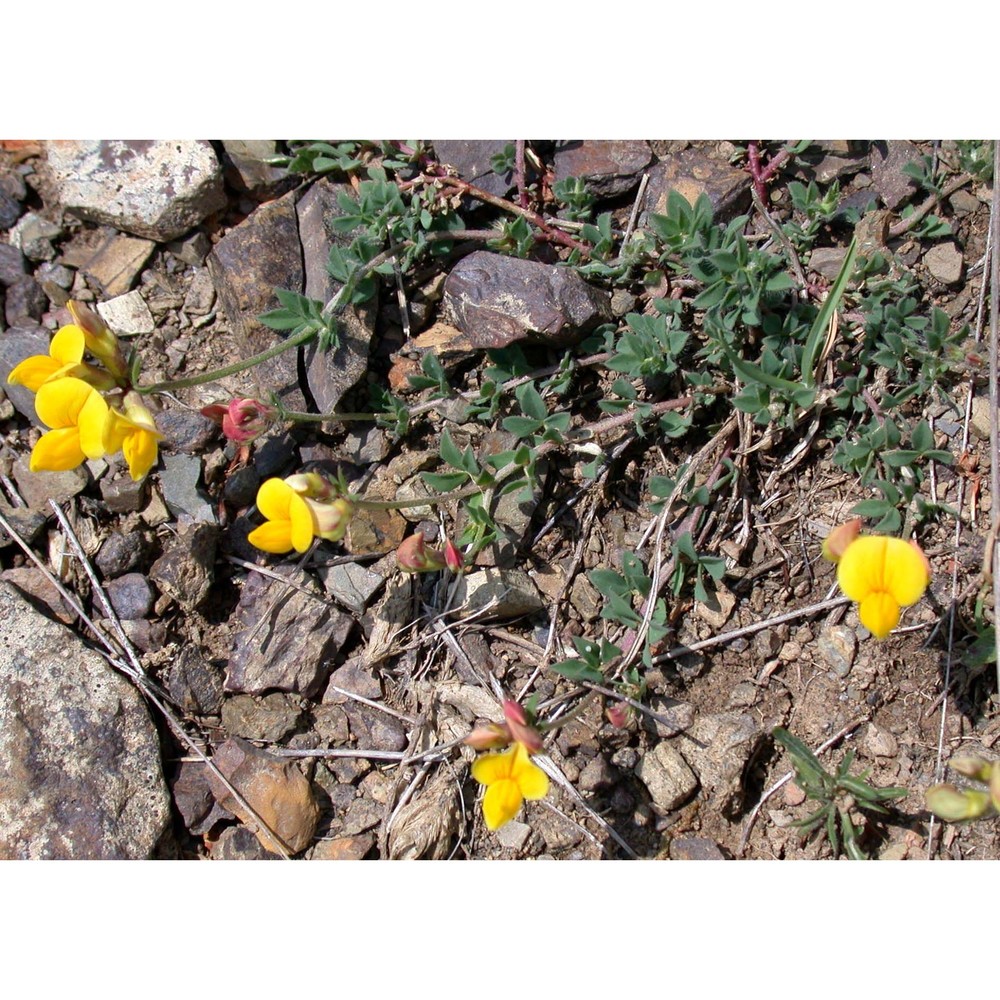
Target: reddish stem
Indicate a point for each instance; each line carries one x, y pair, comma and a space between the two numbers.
759, 174
522, 191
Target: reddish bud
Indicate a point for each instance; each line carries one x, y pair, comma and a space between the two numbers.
619, 714
490, 737
835, 544
517, 723
453, 558
414, 556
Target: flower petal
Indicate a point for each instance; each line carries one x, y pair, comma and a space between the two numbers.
58, 403
906, 574
91, 419
879, 613
273, 499
531, 779
274, 537
140, 450
57, 451
861, 569
501, 803
302, 523
67, 345
34, 371
492, 767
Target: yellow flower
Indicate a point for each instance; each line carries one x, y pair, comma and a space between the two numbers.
77, 412
65, 359
101, 342
510, 778
294, 518
134, 431
883, 575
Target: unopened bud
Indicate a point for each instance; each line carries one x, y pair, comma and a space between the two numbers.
332, 517
414, 555
949, 803
100, 341
311, 485
246, 419
835, 544
453, 558
972, 767
619, 714
517, 723
490, 737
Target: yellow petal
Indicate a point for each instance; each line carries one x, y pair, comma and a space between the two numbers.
906, 573
501, 803
861, 569
531, 779
57, 451
140, 450
116, 429
34, 371
67, 345
58, 403
274, 536
492, 767
302, 523
879, 613
91, 421
273, 499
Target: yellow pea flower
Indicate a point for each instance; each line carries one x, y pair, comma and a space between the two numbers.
510, 778
294, 518
134, 432
65, 359
101, 342
76, 412
883, 575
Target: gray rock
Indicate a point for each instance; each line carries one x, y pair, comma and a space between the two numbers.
128, 315
944, 262
827, 261
237, 843
16, 344
667, 777
33, 235
55, 274
131, 595
117, 262
186, 569
179, 483
123, 494
192, 249
497, 301
13, 266
187, 430
262, 253
240, 488
695, 849
609, 166
598, 775
267, 719
692, 172
471, 158
247, 168
42, 594
80, 774
37, 488
373, 729
200, 297
194, 683
837, 646
507, 592
887, 161
731, 741
24, 302
357, 678
351, 584
10, 210
26, 522
158, 189
331, 374
274, 454
284, 638
194, 799
362, 814
121, 552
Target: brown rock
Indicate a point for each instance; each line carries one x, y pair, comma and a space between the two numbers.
117, 263
277, 790
609, 166
692, 172
498, 301
887, 162
186, 569
343, 848
471, 158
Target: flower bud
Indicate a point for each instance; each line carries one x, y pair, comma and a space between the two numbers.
619, 714
949, 803
312, 485
243, 419
101, 342
835, 544
331, 518
517, 723
971, 767
491, 737
453, 558
414, 556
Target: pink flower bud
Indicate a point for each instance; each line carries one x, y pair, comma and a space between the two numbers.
619, 714
835, 544
490, 737
453, 558
246, 419
414, 556
517, 723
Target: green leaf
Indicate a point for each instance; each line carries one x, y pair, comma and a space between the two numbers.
449, 451
444, 482
577, 670
521, 426
817, 333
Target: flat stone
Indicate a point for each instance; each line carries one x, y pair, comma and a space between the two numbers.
331, 374
372, 729
887, 160
25, 302
179, 482
283, 639
695, 849
720, 750
507, 592
944, 262
351, 584
123, 494
26, 522
343, 848
717, 609
267, 719
33, 236
117, 263
131, 595
192, 249
16, 344
195, 683
276, 789
355, 677
38, 488
497, 301
240, 488
693, 172
513, 835
667, 777
880, 742
187, 431
237, 843
13, 266
193, 797
186, 569
362, 814
837, 646
471, 158
262, 253
598, 775
80, 774
200, 297
127, 315
43, 595
158, 189
247, 168
979, 420
610, 167
827, 261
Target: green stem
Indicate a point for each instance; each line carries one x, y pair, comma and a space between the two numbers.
320, 418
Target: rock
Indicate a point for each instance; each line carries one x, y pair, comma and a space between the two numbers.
692, 172
471, 158
497, 301
25, 302
887, 161
187, 430
513, 835
33, 235
10, 210
117, 263
127, 315
507, 592
26, 522
247, 169
362, 814
343, 848
16, 344
79, 755
827, 261
277, 790
837, 645
194, 683
426, 827
372, 729
158, 189
131, 595
200, 297
979, 420
731, 741
880, 742
37, 488
351, 585
240, 487
356, 678
179, 483
13, 266
330, 374
717, 609
667, 777
260, 254
695, 849
944, 262
41, 594
237, 843
611, 167
330, 723
598, 775
284, 638
193, 798
267, 719
186, 569
123, 494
